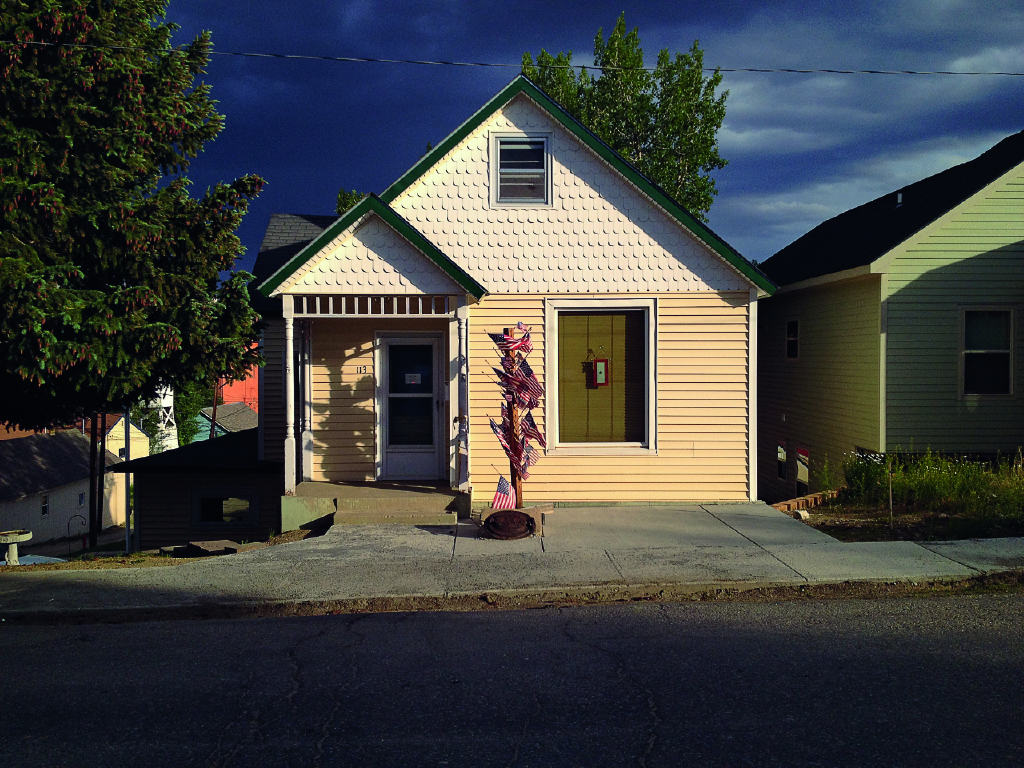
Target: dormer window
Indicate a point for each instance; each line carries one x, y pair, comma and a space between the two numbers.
522, 170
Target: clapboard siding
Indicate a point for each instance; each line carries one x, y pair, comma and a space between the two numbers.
828, 399
271, 375
701, 401
166, 506
973, 255
344, 411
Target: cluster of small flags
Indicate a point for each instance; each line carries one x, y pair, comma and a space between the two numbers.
521, 393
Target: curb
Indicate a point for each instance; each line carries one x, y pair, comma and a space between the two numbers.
519, 599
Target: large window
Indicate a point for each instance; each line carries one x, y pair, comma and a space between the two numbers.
987, 357
522, 165
602, 376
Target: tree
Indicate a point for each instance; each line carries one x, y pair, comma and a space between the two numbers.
347, 199
109, 267
664, 122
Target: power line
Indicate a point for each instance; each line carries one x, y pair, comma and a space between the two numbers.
500, 65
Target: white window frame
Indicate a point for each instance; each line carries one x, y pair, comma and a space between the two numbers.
964, 350
787, 339
495, 141
552, 306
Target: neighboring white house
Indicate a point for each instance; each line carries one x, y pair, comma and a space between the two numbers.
44, 486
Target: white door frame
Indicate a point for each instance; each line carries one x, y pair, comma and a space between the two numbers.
436, 340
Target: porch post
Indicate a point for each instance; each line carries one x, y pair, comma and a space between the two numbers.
752, 446
462, 318
289, 396
307, 400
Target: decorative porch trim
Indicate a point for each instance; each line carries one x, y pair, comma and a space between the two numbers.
351, 305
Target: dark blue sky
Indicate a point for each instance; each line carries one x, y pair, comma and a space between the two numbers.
801, 148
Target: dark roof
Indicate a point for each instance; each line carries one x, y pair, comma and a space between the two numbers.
233, 417
41, 462
235, 451
286, 235
861, 235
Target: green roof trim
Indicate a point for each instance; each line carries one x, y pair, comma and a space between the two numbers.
373, 204
523, 85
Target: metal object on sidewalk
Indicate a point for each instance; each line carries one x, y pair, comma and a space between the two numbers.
509, 524
11, 539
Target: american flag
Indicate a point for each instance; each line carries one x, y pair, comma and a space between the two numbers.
530, 429
505, 496
532, 384
500, 434
532, 455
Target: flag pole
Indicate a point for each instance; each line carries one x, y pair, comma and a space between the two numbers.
513, 408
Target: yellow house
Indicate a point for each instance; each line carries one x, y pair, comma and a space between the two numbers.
380, 369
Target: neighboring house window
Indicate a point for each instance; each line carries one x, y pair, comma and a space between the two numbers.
120, 453
44, 508
987, 352
792, 339
227, 510
601, 355
522, 170
81, 499
782, 465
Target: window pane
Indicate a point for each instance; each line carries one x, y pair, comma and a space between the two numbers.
521, 187
987, 373
612, 413
410, 368
521, 155
987, 330
410, 421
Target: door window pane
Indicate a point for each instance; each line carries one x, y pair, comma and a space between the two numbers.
410, 421
410, 369
594, 412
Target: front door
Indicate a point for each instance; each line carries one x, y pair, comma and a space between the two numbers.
410, 407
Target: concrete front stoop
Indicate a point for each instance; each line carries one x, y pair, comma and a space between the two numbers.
380, 503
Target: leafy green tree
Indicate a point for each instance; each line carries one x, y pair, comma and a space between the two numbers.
347, 199
189, 400
109, 267
664, 122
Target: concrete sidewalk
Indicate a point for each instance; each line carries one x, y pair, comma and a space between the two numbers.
585, 553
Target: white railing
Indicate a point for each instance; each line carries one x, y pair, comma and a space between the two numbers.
332, 305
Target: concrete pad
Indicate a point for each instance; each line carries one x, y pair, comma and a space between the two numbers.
702, 565
871, 560
621, 528
985, 555
24, 559
765, 525
530, 571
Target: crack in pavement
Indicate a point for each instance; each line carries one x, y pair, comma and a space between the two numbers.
759, 546
951, 559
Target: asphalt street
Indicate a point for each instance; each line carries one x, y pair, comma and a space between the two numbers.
900, 682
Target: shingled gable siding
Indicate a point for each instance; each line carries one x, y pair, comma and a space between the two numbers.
599, 234
344, 385
827, 400
973, 255
701, 407
370, 257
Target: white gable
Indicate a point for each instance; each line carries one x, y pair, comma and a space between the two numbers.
600, 233
370, 257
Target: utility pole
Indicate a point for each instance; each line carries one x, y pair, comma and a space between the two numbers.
93, 533
127, 484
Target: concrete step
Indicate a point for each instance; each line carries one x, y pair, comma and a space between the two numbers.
394, 517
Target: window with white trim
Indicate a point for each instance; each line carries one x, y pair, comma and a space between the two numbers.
986, 351
522, 170
792, 339
600, 357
